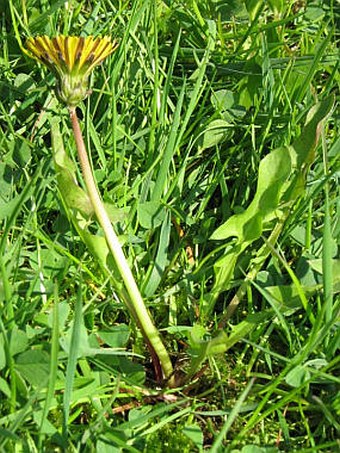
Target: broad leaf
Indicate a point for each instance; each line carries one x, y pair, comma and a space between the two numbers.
281, 179
201, 349
216, 132
72, 194
34, 366
150, 214
248, 226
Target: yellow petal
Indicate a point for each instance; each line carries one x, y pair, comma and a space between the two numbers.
88, 46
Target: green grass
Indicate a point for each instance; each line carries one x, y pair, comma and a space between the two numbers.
198, 105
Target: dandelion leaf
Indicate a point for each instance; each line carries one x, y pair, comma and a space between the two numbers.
274, 170
281, 179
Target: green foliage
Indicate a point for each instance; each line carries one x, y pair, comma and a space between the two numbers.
281, 180
214, 142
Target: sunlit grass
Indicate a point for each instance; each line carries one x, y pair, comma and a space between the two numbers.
177, 124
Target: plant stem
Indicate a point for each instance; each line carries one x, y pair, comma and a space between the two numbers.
256, 266
137, 307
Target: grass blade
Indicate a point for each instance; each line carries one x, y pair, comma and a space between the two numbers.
72, 360
231, 418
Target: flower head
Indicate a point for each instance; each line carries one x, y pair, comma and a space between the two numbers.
71, 59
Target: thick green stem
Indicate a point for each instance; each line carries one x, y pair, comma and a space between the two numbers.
137, 307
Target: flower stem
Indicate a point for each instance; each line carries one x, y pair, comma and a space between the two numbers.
136, 304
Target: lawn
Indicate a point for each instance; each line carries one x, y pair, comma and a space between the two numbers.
192, 303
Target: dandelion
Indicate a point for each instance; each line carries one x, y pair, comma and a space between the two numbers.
71, 59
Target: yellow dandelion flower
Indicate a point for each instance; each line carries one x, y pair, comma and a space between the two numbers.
71, 59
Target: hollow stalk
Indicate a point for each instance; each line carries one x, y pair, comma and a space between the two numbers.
136, 304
